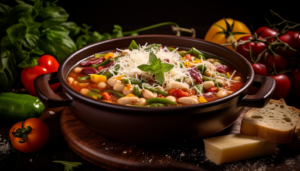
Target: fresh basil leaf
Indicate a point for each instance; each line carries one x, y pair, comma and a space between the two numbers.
165, 67
106, 36
56, 42
4, 14
160, 77
9, 72
96, 37
32, 33
133, 45
152, 58
82, 41
72, 27
144, 67
69, 165
29, 62
16, 32
4, 56
53, 13
134, 34
117, 31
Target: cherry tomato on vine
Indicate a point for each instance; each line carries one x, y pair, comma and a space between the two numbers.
290, 38
283, 86
30, 135
46, 64
265, 32
276, 61
259, 69
256, 48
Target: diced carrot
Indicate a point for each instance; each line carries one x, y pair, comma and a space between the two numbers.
212, 89
106, 96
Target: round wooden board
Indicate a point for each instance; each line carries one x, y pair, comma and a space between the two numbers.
113, 155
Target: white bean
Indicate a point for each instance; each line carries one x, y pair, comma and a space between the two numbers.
237, 78
220, 82
208, 84
147, 94
188, 100
77, 69
216, 63
70, 80
113, 81
210, 73
126, 91
119, 87
128, 100
75, 82
221, 93
84, 91
171, 98
142, 102
102, 85
190, 81
179, 85
194, 96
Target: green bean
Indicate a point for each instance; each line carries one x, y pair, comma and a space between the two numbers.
201, 68
170, 48
117, 57
95, 90
107, 74
155, 105
137, 91
205, 78
157, 91
154, 46
199, 87
98, 55
94, 95
132, 81
160, 100
83, 78
107, 61
117, 94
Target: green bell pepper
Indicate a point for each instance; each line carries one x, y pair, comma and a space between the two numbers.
20, 106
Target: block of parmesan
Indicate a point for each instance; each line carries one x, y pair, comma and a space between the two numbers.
235, 147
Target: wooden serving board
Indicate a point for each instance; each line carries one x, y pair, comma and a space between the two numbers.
185, 155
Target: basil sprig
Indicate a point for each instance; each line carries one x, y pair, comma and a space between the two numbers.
156, 67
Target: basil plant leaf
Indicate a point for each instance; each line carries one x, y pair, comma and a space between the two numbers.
165, 67
144, 67
133, 45
160, 77
152, 59
117, 31
53, 13
57, 43
96, 37
29, 62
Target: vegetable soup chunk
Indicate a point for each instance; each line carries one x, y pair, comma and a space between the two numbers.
154, 76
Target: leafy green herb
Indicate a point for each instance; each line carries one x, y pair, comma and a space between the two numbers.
133, 45
156, 67
69, 165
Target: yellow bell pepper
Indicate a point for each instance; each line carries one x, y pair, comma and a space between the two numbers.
202, 99
228, 75
187, 64
98, 78
130, 95
120, 77
109, 55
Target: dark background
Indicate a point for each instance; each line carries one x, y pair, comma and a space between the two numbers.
200, 15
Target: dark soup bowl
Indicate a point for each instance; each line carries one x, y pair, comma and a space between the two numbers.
156, 124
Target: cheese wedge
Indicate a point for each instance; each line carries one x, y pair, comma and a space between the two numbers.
235, 147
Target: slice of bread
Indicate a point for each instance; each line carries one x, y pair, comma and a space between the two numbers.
275, 122
295, 143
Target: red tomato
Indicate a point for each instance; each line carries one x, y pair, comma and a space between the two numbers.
266, 32
35, 131
180, 93
295, 82
212, 89
278, 61
46, 64
256, 48
259, 69
283, 86
290, 39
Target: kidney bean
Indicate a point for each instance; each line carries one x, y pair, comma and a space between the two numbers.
221, 68
88, 63
196, 74
89, 70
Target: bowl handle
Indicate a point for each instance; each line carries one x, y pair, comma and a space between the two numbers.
264, 94
47, 95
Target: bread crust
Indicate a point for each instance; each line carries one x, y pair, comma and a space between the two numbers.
250, 126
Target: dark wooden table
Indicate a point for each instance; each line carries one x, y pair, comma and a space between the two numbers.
182, 152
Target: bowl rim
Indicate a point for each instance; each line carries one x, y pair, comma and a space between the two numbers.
71, 92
